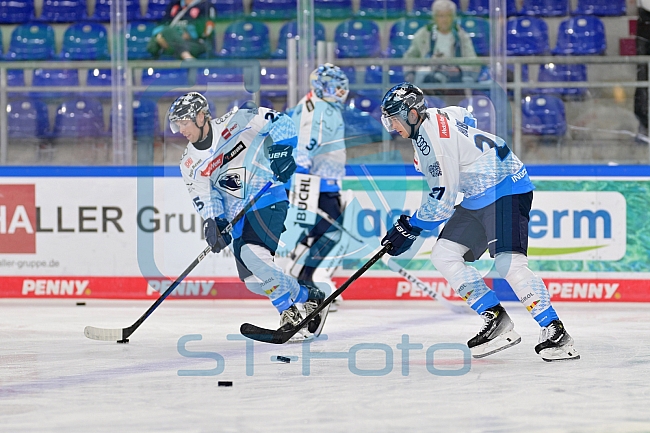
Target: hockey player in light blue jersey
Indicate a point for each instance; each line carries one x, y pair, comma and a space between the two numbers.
227, 161
456, 157
321, 152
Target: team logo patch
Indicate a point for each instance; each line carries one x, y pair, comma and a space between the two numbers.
443, 126
435, 170
232, 181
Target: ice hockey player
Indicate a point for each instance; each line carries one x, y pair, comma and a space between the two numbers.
227, 161
321, 152
455, 157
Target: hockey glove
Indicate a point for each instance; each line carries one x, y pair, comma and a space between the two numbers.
401, 236
212, 228
282, 163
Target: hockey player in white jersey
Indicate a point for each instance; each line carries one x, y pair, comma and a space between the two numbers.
227, 161
455, 157
321, 152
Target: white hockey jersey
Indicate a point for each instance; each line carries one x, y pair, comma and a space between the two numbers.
321, 140
223, 178
457, 157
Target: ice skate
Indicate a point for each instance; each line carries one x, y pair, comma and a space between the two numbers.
555, 344
316, 297
291, 317
496, 334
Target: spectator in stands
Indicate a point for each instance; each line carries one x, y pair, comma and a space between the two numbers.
443, 38
188, 32
642, 49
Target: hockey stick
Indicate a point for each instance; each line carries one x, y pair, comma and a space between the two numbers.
281, 336
403, 272
122, 335
321, 213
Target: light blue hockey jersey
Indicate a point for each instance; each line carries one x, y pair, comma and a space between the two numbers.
223, 178
457, 157
321, 140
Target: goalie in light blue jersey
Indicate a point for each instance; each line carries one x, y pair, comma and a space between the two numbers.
455, 156
321, 152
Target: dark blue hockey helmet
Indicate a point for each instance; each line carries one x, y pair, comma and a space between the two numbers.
399, 101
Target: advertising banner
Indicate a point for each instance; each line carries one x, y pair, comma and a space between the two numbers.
104, 233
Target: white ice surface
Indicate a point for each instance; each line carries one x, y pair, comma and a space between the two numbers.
53, 379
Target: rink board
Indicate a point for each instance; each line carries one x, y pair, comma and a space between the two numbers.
93, 232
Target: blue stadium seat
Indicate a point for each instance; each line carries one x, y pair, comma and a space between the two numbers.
79, 117
332, 9
63, 11
434, 102
146, 123
360, 126
102, 11
367, 104
290, 30
248, 103
351, 73
54, 77
527, 36
483, 110
231, 77
401, 35
511, 8
374, 76
138, 35
16, 11
545, 8
15, 77
85, 41
177, 77
246, 39
552, 72
274, 9
382, 9
543, 115
156, 10
27, 118
481, 8
423, 7
581, 36
357, 38
601, 8
479, 30
100, 78
274, 76
228, 10
33, 41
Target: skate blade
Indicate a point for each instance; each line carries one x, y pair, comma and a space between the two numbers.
564, 353
300, 338
500, 343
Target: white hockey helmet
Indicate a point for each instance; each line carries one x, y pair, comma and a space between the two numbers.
186, 107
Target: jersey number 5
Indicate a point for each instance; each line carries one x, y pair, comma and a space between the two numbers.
198, 203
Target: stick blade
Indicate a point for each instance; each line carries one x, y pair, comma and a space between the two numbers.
266, 335
102, 334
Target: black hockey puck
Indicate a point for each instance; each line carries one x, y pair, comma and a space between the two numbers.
126, 340
224, 383
81, 303
283, 359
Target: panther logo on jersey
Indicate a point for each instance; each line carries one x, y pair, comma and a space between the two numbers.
232, 181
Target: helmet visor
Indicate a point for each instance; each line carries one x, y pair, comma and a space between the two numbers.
389, 121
